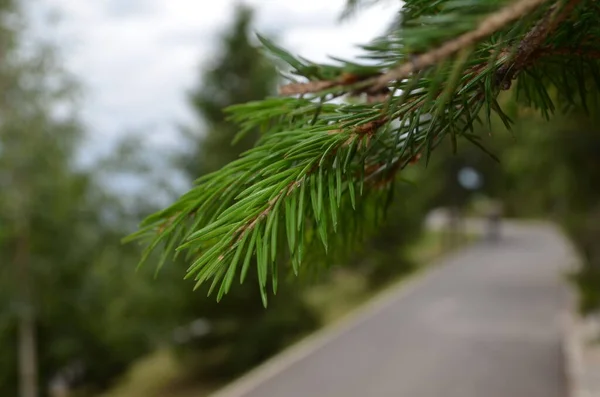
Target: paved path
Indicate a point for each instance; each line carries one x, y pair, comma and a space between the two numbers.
486, 322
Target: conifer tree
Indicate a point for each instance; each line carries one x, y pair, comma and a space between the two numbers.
242, 333
61, 316
239, 74
322, 166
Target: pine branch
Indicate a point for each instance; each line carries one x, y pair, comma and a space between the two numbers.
321, 165
532, 41
524, 55
488, 26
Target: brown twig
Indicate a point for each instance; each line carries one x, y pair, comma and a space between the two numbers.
307, 88
527, 51
345, 79
371, 127
485, 28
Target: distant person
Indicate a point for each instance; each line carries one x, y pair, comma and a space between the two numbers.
494, 217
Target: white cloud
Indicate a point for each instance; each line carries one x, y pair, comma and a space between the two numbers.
138, 57
130, 8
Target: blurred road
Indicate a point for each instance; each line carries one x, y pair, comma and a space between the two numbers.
484, 323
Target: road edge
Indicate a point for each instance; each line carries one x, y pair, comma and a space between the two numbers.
311, 343
572, 349
571, 338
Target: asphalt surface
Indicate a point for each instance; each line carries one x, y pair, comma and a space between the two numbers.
484, 323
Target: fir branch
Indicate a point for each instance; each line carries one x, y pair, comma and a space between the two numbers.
365, 130
489, 25
314, 158
532, 41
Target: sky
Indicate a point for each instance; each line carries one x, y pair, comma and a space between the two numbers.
137, 58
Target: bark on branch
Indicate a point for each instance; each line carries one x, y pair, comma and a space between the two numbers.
532, 42
488, 26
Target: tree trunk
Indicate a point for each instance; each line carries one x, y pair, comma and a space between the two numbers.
28, 374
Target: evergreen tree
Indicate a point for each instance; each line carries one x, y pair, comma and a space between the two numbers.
239, 74
63, 310
34, 156
553, 169
321, 166
241, 333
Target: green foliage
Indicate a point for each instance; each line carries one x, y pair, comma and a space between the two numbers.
238, 74
59, 249
52, 211
552, 168
241, 333
321, 167
442, 172
582, 226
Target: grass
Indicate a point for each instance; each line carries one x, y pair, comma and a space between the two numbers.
343, 292
161, 375
433, 245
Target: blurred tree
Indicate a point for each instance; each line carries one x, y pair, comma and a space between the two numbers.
239, 74
34, 162
240, 332
384, 255
71, 307
553, 168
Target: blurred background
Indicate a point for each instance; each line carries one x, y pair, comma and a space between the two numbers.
111, 109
